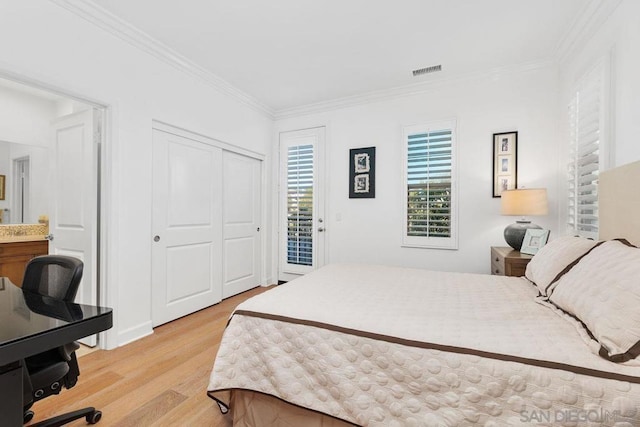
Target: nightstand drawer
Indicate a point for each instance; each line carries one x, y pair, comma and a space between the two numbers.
506, 261
497, 263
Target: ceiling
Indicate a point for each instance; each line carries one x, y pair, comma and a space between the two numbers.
291, 53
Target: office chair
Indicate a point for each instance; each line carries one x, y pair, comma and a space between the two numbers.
50, 284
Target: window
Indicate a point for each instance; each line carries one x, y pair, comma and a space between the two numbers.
430, 211
300, 205
587, 152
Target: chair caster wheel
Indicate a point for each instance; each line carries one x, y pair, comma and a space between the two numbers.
28, 416
94, 417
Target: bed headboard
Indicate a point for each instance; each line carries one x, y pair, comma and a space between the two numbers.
619, 203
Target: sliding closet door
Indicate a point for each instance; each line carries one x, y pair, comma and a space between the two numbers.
242, 179
302, 225
187, 232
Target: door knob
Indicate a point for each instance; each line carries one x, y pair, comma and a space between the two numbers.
321, 229
156, 238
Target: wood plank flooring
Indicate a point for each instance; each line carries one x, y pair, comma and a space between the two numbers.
160, 380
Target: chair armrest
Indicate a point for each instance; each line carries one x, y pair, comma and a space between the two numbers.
68, 349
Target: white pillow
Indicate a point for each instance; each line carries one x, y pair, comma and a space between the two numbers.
554, 259
603, 291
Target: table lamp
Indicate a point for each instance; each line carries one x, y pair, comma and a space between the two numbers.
522, 202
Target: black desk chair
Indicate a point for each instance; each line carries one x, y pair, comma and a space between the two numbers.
50, 283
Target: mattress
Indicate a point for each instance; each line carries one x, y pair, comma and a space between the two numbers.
374, 345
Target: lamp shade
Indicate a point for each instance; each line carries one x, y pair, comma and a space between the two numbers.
524, 202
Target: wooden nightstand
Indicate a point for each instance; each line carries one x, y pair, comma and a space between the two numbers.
506, 261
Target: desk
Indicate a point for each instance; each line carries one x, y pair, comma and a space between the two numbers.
30, 324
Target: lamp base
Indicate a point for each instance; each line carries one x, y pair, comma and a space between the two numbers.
514, 233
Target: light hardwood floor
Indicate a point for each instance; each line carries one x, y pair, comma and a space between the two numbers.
160, 380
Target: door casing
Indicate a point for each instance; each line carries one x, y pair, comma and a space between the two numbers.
315, 136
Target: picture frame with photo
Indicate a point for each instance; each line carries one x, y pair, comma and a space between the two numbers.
362, 173
505, 162
534, 239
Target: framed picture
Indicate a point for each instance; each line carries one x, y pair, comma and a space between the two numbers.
534, 239
2, 185
505, 162
362, 173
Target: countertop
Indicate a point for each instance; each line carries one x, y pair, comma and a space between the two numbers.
28, 238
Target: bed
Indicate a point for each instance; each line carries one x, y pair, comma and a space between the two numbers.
386, 346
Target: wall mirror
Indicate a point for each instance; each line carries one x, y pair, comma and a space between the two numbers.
25, 187
26, 117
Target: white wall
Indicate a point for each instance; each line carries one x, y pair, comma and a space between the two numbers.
26, 118
370, 229
619, 39
44, 42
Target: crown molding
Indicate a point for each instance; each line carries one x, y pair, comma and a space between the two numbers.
102, 18
584, 27
410, 90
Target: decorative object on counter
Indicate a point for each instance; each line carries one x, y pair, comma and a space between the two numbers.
505, 162
522, 202
534, 239
362, 173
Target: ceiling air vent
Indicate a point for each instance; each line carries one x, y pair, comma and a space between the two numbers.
426, 70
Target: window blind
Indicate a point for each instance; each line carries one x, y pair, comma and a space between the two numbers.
300, 205
586, 118
429, 170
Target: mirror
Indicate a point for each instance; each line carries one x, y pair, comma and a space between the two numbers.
25, 168
26, 115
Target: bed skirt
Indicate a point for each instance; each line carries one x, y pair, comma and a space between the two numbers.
253, 409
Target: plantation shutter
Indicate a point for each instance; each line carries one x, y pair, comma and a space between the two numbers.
429, 208
300, 205
586, 123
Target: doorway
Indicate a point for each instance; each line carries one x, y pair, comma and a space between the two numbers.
21, 191
54, 145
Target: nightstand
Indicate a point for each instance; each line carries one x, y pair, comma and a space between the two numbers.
506, 261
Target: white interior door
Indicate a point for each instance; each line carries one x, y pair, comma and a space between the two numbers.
242, 220
186, 223
73, 201
302, 226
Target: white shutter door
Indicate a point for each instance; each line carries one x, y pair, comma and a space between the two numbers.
301, 206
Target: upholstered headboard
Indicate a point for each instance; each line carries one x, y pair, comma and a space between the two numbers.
619, 203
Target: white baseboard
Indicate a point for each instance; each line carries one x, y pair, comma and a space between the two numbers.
133, 334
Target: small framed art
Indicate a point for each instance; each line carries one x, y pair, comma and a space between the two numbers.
505, 162
534, 239
362, 173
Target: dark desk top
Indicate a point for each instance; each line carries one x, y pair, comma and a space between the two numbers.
31, 323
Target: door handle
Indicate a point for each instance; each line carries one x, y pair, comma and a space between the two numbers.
321, 229
156, 238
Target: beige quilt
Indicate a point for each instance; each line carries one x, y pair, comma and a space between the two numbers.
385, 346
